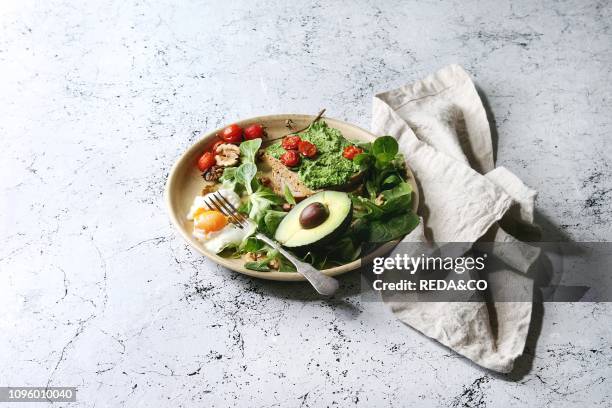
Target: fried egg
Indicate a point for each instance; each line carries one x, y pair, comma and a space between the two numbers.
212, 228
199, 202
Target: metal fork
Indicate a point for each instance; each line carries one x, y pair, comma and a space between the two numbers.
322, 283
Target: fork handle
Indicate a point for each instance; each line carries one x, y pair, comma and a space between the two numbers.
325, 285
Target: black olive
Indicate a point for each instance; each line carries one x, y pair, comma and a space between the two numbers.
313, 215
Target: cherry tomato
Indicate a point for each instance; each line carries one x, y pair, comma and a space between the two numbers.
290, 158
206, 161
291, 142
351, 151
254, 131
307, 149
232, 134
217, 144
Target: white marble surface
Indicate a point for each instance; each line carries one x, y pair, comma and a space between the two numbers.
97, 100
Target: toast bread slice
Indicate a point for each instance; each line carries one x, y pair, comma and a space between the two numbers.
281, 176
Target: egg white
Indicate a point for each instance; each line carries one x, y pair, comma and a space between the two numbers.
217, 241
201, 201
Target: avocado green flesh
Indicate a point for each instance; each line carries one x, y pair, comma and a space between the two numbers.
290, 232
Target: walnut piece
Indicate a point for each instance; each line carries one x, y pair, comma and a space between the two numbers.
274, 263
209, 187
213, 174
227, 155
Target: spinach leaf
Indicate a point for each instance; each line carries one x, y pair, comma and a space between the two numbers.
251, 244
271, 220
392, 228
285, 265
384, 149
231, 251
397, 205
345, 250
316, 259
397, 199
257, 266
364, 208
245, 207
400, 190
390, 181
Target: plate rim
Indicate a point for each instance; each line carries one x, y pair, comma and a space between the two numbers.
272, 275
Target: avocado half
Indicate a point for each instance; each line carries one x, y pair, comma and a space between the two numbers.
292, 234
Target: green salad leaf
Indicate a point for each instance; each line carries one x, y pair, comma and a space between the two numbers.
245, 174
345, 250
382, 164
397, 199
388, 220
228, 178
251, 244
261, 200
248, 150
365, 208
390, 181
289, 195
262, 264
384, 149
388, 229
269, 222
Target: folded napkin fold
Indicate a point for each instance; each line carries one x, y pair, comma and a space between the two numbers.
442, 129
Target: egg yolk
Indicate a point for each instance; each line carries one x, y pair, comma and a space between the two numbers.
210, 220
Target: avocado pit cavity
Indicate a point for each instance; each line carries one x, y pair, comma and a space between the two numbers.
313, 215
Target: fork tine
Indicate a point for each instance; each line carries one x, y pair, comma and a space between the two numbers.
214, 206
235, 211
223, 211
232, 215
228, 206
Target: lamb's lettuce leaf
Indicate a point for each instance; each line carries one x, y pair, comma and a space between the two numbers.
245, 174
228, 178
248, 150
260, 201
289, 195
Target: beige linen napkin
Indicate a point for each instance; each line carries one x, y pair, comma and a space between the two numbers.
442, 129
